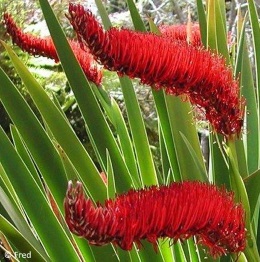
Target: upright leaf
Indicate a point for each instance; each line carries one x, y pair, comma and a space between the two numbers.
37, 141
60, 247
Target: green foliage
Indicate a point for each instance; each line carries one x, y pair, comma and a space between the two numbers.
40, 157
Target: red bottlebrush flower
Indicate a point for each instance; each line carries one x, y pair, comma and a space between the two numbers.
177, 211
45, 47
163, 63
180, 33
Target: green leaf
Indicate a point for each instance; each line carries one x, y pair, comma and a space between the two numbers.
258, 234
166, 250
103, 13
251, 136
24, 154
202, 21
38, 143
140, 139
241, 195
8, 188
153, 27
237, 183
60, 128
86, 250
181, 121
71, 171
111, 190
113, 112
221, 34
253, 191
241, 158
192, 251
211, 25
136, 18
20, 222
218, 163
37, 207
195, 158
107, 252
171, 164
19, 241
164, 159
179, 253
256, 41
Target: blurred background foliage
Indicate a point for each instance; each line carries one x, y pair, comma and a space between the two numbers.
28, 16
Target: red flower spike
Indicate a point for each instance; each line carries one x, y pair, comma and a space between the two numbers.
45, 47
163, 63
177, 211
179, 33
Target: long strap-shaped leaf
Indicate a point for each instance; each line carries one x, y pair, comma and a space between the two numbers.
20, 241
21, 223
221, 33
38, 143
60, 128
202, 22
25, 155
251, 135
140, 139
181, 124
256, 41
116, 117
35, 204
